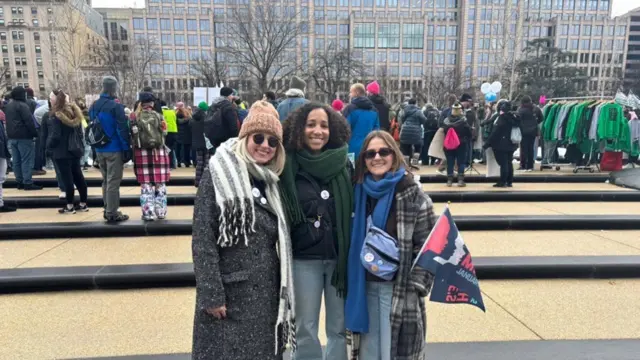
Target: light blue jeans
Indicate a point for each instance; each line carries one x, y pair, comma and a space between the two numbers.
23, 152
311, 278
376, 345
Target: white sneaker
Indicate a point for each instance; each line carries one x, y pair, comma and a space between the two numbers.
62, 195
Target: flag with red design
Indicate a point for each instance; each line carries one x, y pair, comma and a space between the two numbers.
445, 255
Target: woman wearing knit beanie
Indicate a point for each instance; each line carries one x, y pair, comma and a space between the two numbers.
183, 147
337, 105
242, 249
197, 139
318, 199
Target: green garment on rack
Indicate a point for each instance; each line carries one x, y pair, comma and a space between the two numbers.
571, 135
548, 126
614, 129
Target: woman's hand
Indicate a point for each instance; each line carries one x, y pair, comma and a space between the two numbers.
218, 313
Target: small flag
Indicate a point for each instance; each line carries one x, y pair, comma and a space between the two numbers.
445, 255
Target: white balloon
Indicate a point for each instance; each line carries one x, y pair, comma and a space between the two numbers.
485, 88
496, 87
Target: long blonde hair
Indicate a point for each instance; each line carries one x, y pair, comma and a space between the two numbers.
276, 164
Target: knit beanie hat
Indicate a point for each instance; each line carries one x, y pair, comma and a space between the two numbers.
109, 85
180, 105
297, 83
337, 105
456, 109
146, 97
373, 88
226, 91
262, 118
203, 106
466, 97
30, 92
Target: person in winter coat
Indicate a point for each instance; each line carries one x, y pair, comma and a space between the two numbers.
337, 105
183, 147
411, 131
245, 300
387, 194
151, 162
241, 110
66, 145
530, 118
113, 156
171, 120
458, 123
31, 100
295, 98
500, 142
318, 200
381, 104
431, 126
87, 149
270, 97
197, 139
361, 116
47, 128
444, 114
4, 163
225, 124
21, 130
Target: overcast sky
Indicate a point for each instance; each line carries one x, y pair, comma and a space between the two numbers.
619, 6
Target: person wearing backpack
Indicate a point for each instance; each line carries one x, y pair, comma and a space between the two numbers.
221, 122
115, 151
456, 141
66, 144
430, 128
361, 116
500, 140
411, 132
151, 162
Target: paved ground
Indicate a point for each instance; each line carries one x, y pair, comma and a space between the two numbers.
159, 321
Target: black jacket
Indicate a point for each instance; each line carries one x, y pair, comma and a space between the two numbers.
229, 122
197, 130
530, 117
309, 242
184, 128
383, 107
411, 130
20, 121
33, 104
500, 138
460, 126
61, 126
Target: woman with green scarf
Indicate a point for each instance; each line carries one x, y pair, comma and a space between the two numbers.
317, 195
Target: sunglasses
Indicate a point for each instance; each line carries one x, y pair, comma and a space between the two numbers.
383, 152
272, 141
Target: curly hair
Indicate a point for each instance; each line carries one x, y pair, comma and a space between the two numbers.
294, 125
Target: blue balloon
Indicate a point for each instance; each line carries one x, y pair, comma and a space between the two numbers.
491, 96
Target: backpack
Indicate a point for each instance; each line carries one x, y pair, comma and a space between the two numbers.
95, 136
432, 120
74, 144
394, 129
451, 140
149, 132
214, 129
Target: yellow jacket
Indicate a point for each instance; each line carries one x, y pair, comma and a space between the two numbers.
170, 117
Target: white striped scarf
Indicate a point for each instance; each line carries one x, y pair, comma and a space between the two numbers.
231, 180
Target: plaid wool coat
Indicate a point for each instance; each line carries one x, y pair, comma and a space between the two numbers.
416, 218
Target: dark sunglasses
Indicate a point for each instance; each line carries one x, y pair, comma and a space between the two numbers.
272, 141
383, 152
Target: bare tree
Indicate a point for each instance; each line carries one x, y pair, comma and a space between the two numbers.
210, 69
132, 68
5, 77
262, 41
440, 84
333, 70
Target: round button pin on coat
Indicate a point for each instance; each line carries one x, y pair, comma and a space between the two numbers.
324, 194
255, 192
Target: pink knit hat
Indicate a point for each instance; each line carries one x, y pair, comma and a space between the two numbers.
180, 105
337, 105
373, 88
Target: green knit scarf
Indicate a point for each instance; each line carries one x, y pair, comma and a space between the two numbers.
328, 167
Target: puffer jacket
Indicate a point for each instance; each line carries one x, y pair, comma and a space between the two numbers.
530, 117
20, 120
362, 117
500, 138
63, 124
411, 130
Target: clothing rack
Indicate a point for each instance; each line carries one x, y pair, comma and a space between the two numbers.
582, 98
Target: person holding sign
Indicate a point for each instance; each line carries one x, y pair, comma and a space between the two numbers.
317, 195
392, 219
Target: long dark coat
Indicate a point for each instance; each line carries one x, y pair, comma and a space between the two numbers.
246, 279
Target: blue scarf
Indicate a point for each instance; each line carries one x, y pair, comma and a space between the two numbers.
356, 311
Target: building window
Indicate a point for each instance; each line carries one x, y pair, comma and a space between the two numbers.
192, 40
205, 25
166, 39
413, 36
35, 23
3, 36
364, 35
181, 55
34, 10
205, 40
192, 25
24, 61
152, 24
39, 61
40, 74
319, 29
36, 36
178, 24
389, 36
167, 55
344, 29
165, 24
179, 39
138, 24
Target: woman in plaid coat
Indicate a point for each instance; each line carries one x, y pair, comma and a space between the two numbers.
150, 158
385, 312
